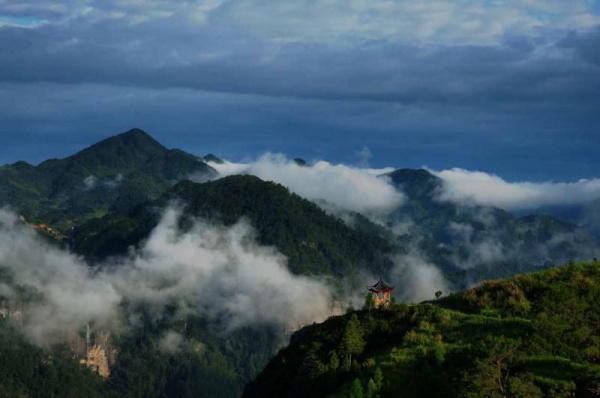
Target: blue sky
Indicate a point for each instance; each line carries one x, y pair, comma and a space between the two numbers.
506, 87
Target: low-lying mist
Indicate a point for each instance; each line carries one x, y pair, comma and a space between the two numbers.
349, 188
210, 270
476, 187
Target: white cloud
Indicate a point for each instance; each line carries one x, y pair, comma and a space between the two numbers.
416, 21
171, 342
71, 297
475, 187
113, 182
213, 271
89, 183
409, 21
417, 279
92, 182
223, 273
483, 248
365, 156
349, 188
21, 22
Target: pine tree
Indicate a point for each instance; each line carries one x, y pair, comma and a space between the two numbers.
352, 340
371, 389
334, 362
356, 390
369, 302
378, 378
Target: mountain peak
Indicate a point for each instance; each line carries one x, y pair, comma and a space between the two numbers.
134, 137
132, 148
416, 183
135, 132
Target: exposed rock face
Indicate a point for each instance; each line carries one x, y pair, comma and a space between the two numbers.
100, 356
97, 361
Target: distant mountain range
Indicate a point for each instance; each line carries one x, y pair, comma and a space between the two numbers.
484, 242
98, 191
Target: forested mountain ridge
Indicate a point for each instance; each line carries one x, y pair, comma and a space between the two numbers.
533, 335
313, 241
112, 177
114, 174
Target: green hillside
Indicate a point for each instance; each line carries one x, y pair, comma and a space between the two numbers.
114, 174
535, 335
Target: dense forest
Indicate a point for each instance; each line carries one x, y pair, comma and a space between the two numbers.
209, 364
313, 241
30, 371
160, 355
535, 335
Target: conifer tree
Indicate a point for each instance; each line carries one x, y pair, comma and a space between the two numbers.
352, 340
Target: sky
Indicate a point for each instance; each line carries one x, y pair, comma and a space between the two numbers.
509, 88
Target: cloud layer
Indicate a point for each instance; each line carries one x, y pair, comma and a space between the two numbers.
474, 187
349, 188
418, 279
467, 21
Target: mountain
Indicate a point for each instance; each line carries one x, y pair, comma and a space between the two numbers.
111, 197
114, 174
314, 242
473, 243
417, 184
530, 336
586, 214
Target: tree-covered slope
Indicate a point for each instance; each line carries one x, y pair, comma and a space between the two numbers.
30, 371
536, 335
161, 354
313, 241
210, 361
114, 174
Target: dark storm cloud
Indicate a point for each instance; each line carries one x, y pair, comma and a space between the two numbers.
584, 44
427, 76
552, 72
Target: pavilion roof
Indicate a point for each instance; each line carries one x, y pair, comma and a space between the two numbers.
381, 286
